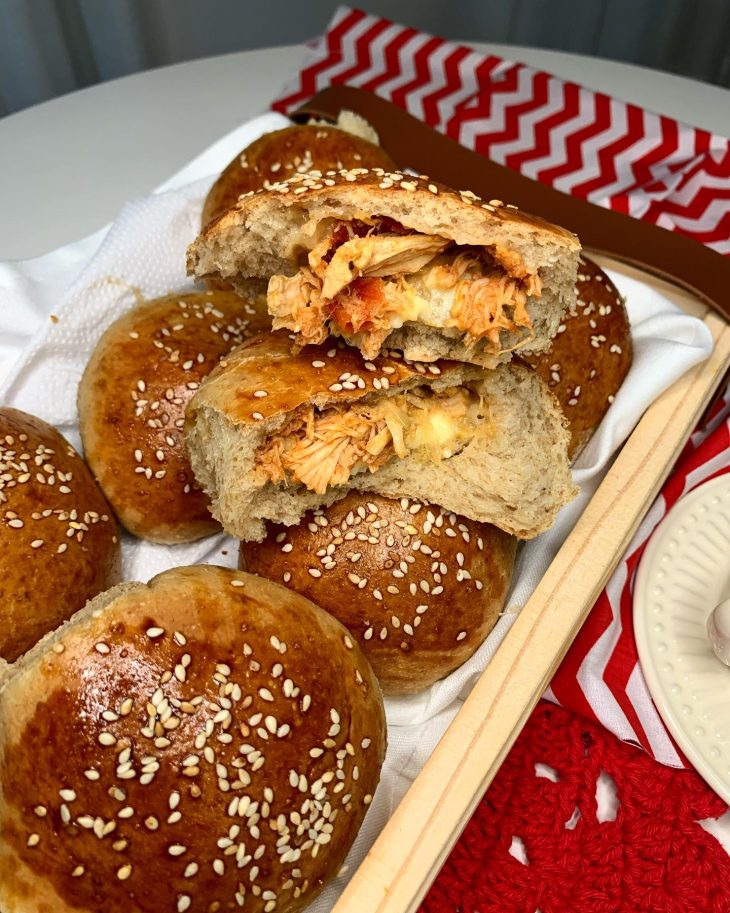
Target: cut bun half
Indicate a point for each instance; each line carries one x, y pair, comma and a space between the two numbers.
384, 259
271, 434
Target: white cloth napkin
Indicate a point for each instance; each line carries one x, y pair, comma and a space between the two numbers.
87, 285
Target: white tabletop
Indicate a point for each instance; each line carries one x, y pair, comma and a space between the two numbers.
66, 166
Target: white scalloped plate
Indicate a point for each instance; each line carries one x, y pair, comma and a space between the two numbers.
684, 573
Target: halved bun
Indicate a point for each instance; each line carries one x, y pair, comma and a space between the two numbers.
207, 741
270, 234
419, 587
512, 471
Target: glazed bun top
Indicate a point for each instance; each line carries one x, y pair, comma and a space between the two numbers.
418, 586
207, 741
293, 150
59, 542
263, 380
132, 400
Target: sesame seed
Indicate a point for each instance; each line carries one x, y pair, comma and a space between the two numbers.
124, 872
155, 632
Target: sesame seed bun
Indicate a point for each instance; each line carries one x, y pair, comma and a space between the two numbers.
59, 542
513, 472
294, 150
418, 587
207, 741
590, 356
132, 400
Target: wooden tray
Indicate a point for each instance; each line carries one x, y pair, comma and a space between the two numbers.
413, 845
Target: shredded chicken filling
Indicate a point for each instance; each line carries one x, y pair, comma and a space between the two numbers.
362, 281
324, 448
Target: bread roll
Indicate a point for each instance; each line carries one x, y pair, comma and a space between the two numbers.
271, 434
59, 543
207, 741
386, 259
132, 401
590, 356
420, 588
293, 150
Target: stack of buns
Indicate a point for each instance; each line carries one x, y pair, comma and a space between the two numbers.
379, 395
419, 336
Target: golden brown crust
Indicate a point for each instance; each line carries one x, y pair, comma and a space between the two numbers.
293, 150
59, 542
132, 401
418, 587
263, 379
157, 750
590, 356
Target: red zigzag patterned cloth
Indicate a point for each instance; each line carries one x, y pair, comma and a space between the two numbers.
580, 141
609, 152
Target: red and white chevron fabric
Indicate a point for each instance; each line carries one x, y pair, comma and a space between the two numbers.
580, 141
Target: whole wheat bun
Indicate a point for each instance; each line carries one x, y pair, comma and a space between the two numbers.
418, 587
590, 356
293, 150
59, 543
207, 741
132, 399
513, 473
268, 232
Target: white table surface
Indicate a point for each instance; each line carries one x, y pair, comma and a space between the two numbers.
67, 165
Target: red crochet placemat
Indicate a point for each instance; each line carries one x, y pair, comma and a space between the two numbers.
652, 858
